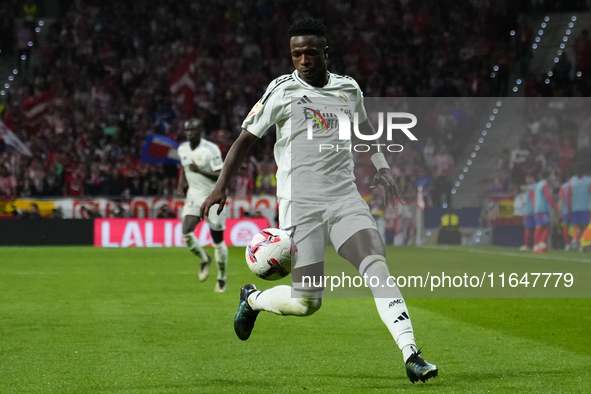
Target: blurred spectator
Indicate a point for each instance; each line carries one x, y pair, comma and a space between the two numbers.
165, 213
561, 72
57, 213
94, 183
170, 175
450, 232
501, 183
524, 38
567, 158
153, 182
94, 211
242, 185
7, 184
91, 213
74, 183
26, 189
377, 207
504, 162
517, 165
266, 181
504, 63
364, 173
114, 184
54, 179
7, 29
33, 212
37, 175
119, 211
24, 42
429, 153
135, 183
30, 12
424, 180
390, 224
443, 163
583, 53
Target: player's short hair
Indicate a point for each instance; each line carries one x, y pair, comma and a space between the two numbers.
193, 124
307, 26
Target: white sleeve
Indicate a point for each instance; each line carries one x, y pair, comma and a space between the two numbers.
267, 112
360, 107
215, 161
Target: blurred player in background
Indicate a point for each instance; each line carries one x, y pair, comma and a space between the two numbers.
201, 162
564, 202
580, 194
529, 221
325, 207
543, 206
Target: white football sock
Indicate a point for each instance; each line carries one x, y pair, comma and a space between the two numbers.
390, 303
193, 245
279, 300
221, 259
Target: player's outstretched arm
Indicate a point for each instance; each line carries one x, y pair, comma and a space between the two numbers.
234, 160
213, 175
181, 184
383, 177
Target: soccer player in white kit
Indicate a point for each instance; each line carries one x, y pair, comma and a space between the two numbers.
201, 162
318, 201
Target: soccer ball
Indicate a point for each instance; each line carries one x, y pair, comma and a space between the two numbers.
270, 253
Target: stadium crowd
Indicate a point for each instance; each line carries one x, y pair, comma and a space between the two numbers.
557, 137
107, 66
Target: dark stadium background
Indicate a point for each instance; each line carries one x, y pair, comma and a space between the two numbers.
98, 78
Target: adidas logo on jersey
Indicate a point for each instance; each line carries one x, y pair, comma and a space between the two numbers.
403, 316
304, 100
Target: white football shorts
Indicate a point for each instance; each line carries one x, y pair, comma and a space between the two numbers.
317, 225
193, 206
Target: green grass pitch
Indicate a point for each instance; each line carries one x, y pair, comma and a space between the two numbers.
92, 320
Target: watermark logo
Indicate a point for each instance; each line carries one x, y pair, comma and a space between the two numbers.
317, 116
335, 118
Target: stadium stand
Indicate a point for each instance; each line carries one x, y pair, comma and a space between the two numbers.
103, 82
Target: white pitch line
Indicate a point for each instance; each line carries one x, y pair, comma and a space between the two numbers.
513, 254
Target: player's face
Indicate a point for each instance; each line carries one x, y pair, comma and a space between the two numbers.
309, 54
193, 134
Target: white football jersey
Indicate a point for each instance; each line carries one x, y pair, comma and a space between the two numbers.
206, 156
304, 173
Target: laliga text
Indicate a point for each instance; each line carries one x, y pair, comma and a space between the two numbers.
441, 281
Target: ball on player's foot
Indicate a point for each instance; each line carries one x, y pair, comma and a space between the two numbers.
270, 254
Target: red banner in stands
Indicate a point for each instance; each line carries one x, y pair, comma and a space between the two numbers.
115, 233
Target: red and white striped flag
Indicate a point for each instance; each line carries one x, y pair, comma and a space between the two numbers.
182, 85
34, 108
12, 142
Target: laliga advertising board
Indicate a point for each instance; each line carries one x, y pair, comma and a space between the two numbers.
124, 233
